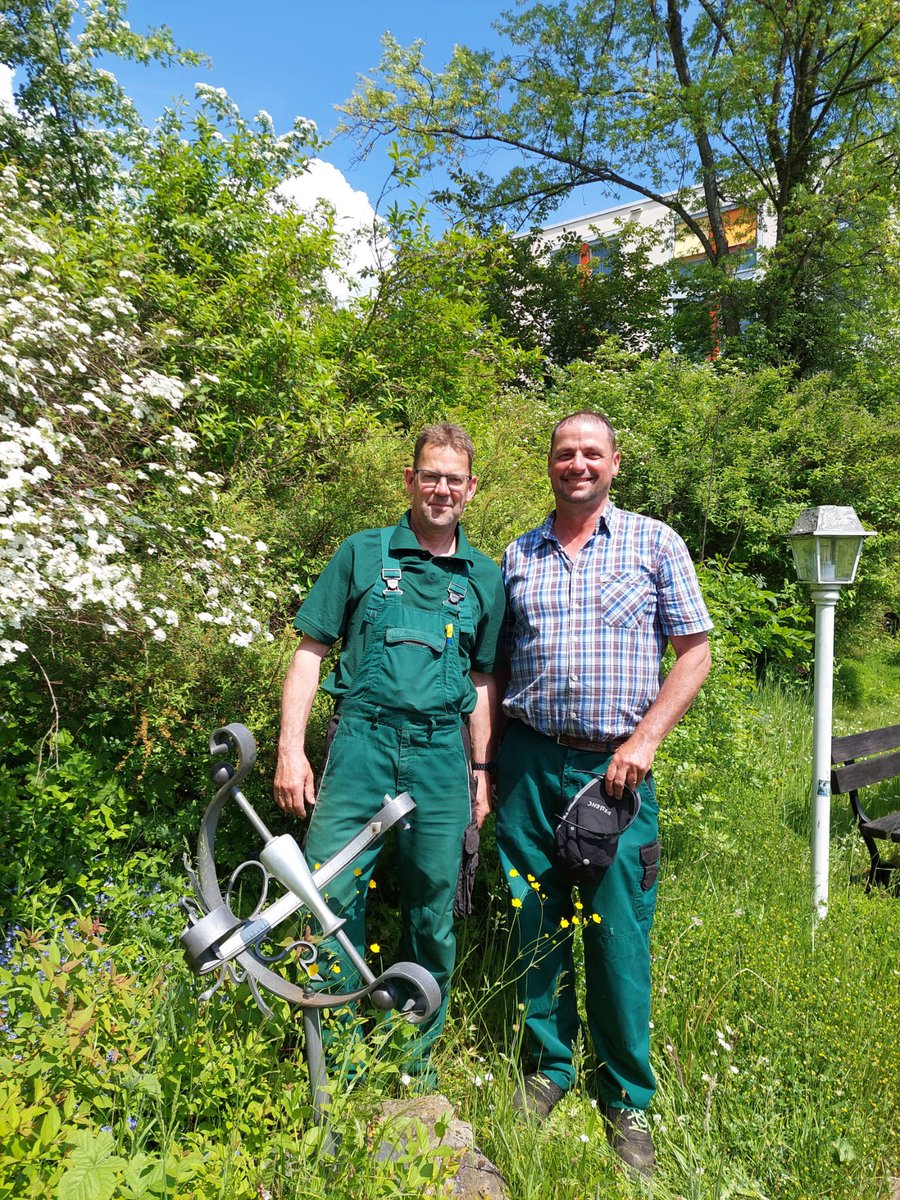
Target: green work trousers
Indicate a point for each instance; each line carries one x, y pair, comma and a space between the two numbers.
537, 777
373, 755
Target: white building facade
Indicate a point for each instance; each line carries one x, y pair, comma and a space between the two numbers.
748, 232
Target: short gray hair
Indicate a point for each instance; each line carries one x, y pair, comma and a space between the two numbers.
445, 435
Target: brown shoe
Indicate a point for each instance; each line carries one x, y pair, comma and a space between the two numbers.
538, 1096
628, 1132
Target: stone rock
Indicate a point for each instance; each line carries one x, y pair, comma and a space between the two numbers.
476, 1177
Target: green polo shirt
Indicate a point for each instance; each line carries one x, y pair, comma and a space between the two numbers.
337, 602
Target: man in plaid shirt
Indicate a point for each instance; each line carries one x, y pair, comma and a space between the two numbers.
594, 595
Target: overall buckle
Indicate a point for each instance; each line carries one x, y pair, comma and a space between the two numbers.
391, 577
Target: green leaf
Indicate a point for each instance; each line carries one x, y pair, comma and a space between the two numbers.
93, 1168
144, 1176
40, 1002
150, 1085
50, 1126
89, 1181
844, 1151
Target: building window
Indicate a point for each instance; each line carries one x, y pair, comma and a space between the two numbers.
740, 233
591, 256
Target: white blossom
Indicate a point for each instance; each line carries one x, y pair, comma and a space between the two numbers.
78, 515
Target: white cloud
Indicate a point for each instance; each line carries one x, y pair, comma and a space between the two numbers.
364, 244
6, 91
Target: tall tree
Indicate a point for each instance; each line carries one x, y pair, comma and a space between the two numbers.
786, 106
72, 120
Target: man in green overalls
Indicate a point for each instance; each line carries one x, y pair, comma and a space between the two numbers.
419, 614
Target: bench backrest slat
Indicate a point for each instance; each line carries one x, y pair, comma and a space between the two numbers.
861, 774
858, 745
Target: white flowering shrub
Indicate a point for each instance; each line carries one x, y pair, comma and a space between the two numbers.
91, 453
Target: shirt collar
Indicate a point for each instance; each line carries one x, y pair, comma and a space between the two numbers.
606, 522
403, 539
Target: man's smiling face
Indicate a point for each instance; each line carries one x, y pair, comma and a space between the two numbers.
582, 464
437, 507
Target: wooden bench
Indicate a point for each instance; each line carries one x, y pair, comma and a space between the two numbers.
858, 761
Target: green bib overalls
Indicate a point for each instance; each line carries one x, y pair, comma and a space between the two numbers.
400, 729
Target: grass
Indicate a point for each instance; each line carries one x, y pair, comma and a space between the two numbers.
774, 1044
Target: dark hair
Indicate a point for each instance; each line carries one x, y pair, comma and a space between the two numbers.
586, 414
444, 435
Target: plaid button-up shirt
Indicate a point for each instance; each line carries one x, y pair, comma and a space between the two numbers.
586, 638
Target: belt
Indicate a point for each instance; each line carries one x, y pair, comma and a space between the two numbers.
576, 743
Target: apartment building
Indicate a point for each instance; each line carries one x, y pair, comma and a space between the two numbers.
594, 234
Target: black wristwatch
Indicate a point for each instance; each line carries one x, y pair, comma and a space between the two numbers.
490, 767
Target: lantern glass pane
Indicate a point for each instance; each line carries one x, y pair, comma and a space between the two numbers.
837, 559
846, 558
804, 558
827, 547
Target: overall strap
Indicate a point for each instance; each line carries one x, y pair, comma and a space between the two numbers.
391, 575
457, 588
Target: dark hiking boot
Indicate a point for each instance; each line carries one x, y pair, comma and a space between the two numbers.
628, 1132
538, 1096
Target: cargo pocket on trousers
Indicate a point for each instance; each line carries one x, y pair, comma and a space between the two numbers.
650, 863
645, 898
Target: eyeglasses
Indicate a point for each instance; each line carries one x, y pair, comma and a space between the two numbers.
430, 479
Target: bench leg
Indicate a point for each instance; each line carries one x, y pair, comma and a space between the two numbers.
881, 872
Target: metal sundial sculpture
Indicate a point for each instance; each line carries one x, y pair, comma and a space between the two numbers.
217, 941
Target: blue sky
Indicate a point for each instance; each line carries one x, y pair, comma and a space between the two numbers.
299, 58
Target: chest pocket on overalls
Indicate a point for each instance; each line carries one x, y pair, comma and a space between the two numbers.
415, 660
415, 665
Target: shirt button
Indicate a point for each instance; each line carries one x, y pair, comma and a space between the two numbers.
573, 679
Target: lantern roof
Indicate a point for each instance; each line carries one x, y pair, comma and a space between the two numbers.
829, 520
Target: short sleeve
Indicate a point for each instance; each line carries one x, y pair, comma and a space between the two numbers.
487, 651
323, 614
682, 609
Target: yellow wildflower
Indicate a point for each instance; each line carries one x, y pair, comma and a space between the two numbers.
372, 883
357, 871
530, 878
595, 917
517, 903
375, 948
564, 924
336, 969
513, 874
579, 905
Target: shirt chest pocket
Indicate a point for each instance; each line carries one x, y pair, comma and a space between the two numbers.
627, 601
